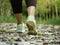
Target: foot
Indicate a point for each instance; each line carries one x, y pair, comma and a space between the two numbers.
20, 28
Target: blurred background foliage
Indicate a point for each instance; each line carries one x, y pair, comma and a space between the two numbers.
47, 11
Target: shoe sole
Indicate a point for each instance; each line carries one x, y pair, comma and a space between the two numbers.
31, 27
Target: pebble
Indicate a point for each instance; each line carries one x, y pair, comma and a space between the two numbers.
44, 30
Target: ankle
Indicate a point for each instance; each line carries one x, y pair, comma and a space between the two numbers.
31, 18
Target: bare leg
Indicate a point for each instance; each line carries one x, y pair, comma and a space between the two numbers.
19, 18
31, 10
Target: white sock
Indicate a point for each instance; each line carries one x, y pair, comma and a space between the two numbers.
31, 18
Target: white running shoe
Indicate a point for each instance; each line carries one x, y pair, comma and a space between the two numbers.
20, 28
31, 24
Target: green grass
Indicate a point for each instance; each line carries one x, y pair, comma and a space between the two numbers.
12, 19
7, 19
54, 21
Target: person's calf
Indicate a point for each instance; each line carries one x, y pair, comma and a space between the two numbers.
19, 18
